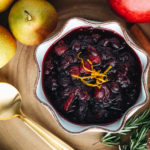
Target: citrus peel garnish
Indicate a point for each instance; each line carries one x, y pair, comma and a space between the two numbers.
99, 77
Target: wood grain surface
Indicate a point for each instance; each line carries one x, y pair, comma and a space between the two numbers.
22, 72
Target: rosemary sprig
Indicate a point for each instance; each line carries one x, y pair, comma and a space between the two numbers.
138, 140
135, 122
111, 139
139, 125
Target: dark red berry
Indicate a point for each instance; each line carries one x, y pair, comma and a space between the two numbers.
123, 80
66, 92
76, 46
112, 62
104, 42
107, 92
47, 72
54, 84
103, 93
94, 53
99, 94
105, 55
84, 95
68, 102
74, 70
91, 48
59, 50
95, 59
49, 65
115, 43
101, 113
96, 37
114, 87
124, 58
65, 81
87, 65
61, 42
66, 61
64, 64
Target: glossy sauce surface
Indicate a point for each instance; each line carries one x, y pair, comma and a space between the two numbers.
83, 104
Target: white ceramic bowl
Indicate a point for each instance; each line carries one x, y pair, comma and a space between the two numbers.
143, 57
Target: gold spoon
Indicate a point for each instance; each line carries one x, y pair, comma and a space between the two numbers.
10, 107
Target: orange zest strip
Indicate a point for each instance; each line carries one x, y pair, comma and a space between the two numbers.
107, 69
89, 84
83, 63
97, 75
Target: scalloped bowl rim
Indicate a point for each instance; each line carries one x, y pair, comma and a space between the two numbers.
112, 25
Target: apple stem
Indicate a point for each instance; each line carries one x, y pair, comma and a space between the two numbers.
29, 17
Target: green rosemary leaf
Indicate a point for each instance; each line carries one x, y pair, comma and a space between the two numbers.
124, 147
110, 139
139, 125
138, 139
133, 123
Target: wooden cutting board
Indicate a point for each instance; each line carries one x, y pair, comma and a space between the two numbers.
22, 73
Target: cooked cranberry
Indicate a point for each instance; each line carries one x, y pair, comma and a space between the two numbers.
132, 92
101, 113
46, 72
74, 70
64, 64
123, 80
96, 37
124, 58
115, 43
65, 81
112, 62
112, 71
125, 69
94, 53
76, 46
80, 37
59, 50
115, 87
95, 59
54, 84
79, 102
66, 61
66, 92
81, 112
61, 42
104, 42
91, 48
99, 94
70, 59
68, 102
49, 65
106, 55
87, 65
84, 95
107, 92
84, 45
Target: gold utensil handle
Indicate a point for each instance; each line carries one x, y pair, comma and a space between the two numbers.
54, 142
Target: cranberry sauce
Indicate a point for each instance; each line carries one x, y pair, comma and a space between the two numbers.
78, 102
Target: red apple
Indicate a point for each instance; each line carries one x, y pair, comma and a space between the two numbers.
132, 10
